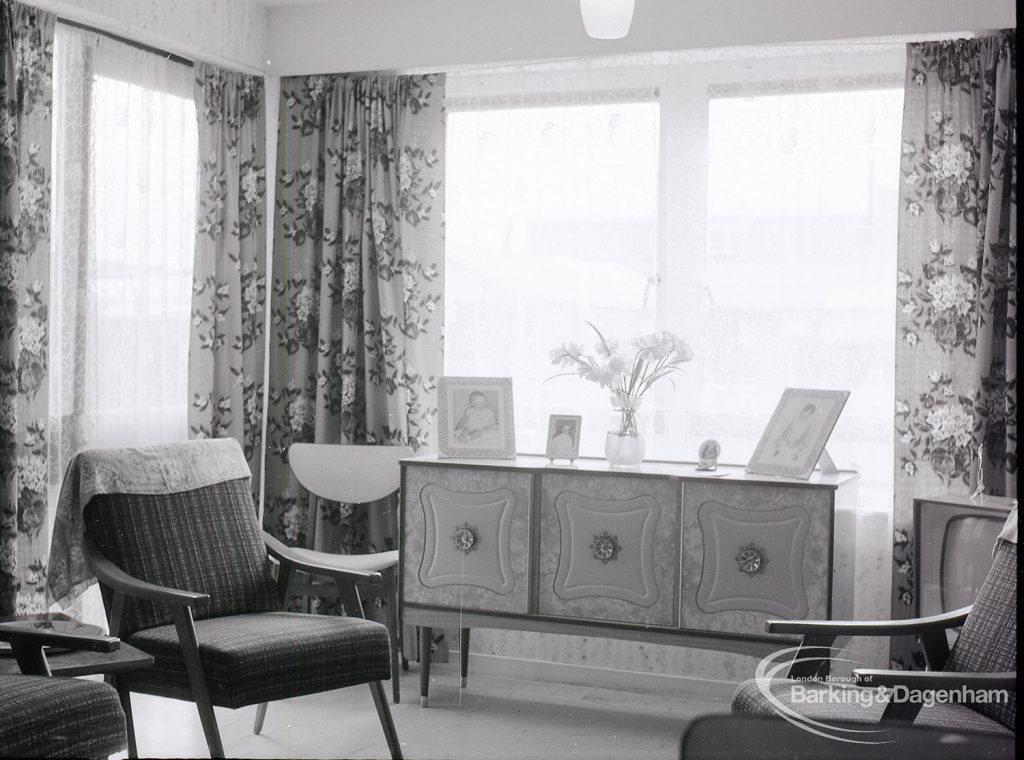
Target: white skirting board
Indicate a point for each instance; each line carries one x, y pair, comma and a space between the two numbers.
708, 689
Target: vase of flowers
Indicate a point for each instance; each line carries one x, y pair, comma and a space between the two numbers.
628, 375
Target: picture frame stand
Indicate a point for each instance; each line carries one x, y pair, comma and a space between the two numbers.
793, 442
551, 460
826, 465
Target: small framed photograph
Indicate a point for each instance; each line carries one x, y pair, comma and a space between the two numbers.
707, 455
797, 433
474, 418
564, 437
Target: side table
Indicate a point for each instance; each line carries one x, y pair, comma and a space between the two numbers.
114, 658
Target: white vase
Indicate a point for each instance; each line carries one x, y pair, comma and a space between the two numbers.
624, 442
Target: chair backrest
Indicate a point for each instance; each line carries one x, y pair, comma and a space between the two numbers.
352, 474
988, 640
204, 540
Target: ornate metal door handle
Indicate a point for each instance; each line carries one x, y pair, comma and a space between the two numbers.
751, 559
606, 547
466, 538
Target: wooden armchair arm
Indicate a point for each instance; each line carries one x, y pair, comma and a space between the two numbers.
344, 579
117, 579
17, 633
905, 710
309, 564
812, 660
27, 645
836, 628
930, 679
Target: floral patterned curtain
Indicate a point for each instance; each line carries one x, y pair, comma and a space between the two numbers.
956, 365
226, 348
26, 47
356, 343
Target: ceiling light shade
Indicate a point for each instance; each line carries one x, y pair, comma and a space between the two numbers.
607, 19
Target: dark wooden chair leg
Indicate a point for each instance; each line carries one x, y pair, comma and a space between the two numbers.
186, 630
261, 714
380, 701
124, 695
389, 590
426, 639
464, 655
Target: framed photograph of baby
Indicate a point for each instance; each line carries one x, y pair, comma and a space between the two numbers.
563, 437
797, 432
474, 418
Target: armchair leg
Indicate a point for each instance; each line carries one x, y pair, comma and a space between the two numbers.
389, 591
261, 714
380, 701
197, 680
124, 695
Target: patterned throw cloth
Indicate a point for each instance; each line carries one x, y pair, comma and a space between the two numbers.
168, 468
1009, 531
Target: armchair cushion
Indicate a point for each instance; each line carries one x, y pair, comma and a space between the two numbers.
988, 640
204, 540
749, 700
256, 658
59, 717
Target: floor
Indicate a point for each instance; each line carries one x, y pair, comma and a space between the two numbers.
494, 719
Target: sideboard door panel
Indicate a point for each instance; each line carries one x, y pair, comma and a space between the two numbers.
739, 580
466, 538
609, 548
754, 552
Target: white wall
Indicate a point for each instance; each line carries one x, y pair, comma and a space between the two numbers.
364, 35
229, 33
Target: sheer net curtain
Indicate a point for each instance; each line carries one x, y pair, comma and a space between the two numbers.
749, 205
124, 227
551, 220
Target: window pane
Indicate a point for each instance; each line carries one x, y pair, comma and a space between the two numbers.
799, 270
551, 220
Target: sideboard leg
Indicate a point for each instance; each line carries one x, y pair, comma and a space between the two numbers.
426, 640
464, 655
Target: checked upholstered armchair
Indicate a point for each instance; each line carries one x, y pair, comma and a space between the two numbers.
983, 661
45, 716
187, 577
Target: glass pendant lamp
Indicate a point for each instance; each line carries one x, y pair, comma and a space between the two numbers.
607, 19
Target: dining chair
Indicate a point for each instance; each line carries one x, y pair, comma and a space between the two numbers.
354, 474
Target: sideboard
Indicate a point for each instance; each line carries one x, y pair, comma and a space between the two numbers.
661, 553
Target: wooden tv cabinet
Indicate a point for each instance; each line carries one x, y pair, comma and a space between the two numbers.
660, 553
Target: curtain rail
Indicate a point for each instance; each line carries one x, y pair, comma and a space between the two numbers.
140, 45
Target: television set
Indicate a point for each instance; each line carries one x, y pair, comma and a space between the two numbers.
954, 536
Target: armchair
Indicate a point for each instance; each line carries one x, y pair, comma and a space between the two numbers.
984, 656
44, 716
751, 737
188, 578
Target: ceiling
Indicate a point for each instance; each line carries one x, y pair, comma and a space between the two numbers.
284, 3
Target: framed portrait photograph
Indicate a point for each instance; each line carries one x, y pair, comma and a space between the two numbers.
563, 436
474, 418
797, 433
